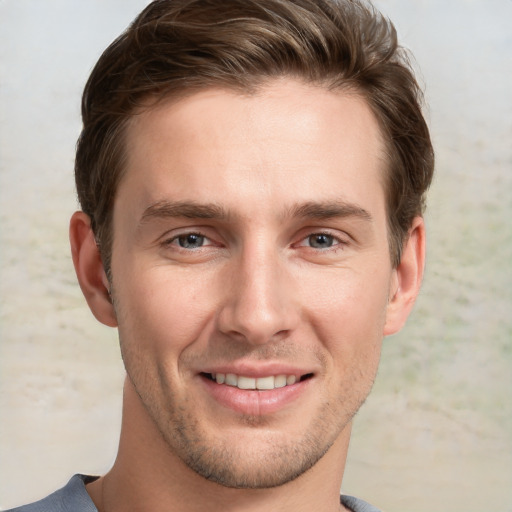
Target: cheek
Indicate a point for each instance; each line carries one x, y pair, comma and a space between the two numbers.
338, 294
347, 311
161, 310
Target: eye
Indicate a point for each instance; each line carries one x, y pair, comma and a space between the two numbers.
321, 241
189, 241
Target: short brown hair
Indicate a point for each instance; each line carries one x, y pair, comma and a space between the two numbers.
177, 47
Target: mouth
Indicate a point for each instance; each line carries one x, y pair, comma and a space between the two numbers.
266, 383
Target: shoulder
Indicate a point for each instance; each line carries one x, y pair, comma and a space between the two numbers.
73, 497
357, 505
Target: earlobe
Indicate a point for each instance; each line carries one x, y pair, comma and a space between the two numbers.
89, 269
407, 279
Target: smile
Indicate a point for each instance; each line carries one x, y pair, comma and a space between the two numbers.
256, 383
256, 395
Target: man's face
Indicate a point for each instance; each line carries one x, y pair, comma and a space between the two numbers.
250, 251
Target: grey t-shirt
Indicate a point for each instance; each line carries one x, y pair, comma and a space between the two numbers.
74, 498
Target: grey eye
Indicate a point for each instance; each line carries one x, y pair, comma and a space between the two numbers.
321, 241
191, 241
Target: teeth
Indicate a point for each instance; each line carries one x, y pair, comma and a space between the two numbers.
266, 383
290, 380
246, 383
261, 383
231, 379
280, 381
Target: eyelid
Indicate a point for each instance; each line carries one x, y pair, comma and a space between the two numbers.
340, 238
171, 236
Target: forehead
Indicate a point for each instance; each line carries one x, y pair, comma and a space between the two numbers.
287, 143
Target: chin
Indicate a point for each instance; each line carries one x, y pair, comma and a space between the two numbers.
266, 470
255, 457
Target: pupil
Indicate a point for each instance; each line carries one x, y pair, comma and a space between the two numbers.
191, 241
321, 241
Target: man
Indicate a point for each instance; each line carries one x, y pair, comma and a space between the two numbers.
252, 177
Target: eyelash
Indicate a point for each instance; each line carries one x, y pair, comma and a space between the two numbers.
171, 241
337, 242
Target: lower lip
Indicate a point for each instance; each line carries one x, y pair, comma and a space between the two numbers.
254, 402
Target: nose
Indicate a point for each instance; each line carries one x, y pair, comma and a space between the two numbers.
260, 301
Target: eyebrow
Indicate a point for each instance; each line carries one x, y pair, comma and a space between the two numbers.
329, 210
309, 210
185, 209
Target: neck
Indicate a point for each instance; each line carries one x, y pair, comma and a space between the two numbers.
148, 476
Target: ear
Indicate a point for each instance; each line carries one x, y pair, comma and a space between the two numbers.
407, 278
89, 269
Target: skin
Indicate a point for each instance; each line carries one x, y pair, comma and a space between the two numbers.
250, 236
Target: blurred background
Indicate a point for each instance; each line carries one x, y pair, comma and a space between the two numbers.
436, 433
